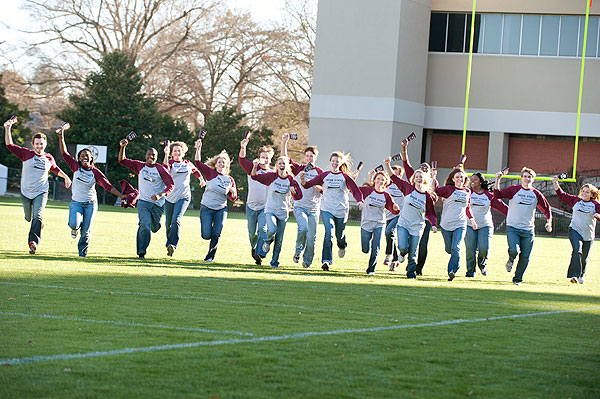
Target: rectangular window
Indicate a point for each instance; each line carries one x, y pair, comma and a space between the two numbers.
531, 35
456, 33
592, 37
569, 32
549, 44
511, 34
476, 34
437, 31
492, 33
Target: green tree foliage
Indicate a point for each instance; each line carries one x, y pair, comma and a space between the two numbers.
224, 132
20, 133
111, 106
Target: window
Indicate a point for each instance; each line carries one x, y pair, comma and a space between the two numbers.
592, 37
437, 32
569, 33
549, 43
531, 35
456, 33
492, 33
511, 36
477, 37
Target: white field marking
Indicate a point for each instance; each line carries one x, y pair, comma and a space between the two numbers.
125, 323
228, 301
67, 356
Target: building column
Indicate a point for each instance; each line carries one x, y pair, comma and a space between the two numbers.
497, 151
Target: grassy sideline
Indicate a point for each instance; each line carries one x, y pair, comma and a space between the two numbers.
238, 330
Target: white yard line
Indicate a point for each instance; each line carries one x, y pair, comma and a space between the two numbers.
125, 323
67, 356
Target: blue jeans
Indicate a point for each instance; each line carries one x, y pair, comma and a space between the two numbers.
149, 215
257, 227
371, 239
330, 222
477, 245
81, 215
408, 244
423, 243
173, 214
211, 225
452, 241
307, 233
579, 256
522, 240
391, 248
34, 208
275, 230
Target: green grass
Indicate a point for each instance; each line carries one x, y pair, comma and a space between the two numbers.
55, 303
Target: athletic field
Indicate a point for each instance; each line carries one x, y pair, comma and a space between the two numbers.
113, 326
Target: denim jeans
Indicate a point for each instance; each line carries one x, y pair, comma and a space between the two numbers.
452, 240
371, 240
34, 209
519, 240
477, 245
579, 256
307, 233
211, 225
173, 214
81, 215
257, 227
330, 222
149, 215
408, 244
275, 230
423, 243
391, 248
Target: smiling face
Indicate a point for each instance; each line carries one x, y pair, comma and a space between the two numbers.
310, 156
177, 153
379, 182
585, 194
265, 158
526, 179
418, 177
39, 145
220, 165
459, 179
151, 156
334, 162
86, 159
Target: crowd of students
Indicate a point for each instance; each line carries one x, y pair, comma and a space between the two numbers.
401, 210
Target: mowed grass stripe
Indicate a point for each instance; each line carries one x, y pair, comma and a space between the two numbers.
38, 359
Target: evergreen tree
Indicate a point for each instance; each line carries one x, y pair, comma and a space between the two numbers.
20, 133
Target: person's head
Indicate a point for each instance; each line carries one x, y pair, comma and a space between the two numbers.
86, 158
283, 166
381, 180
420, 179
457, 177
589, 192
340, 161
310, 154
220, 162
178, 150
265, 155
39, 141
397, 170
151, 156
478, 182
527, 177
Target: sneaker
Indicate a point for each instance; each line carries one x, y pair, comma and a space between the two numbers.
580, 280
470, 275
484, 272
341, 252
257, 259
325, 266
170, 250
509, 265
393, 266
305, 265
296, 258
209, 260
32, 247
371, 273
401, 258
574, 280
516, 283
266, 246
253, 252
275, 267
451, 276
74, 233
387, 260
141, 256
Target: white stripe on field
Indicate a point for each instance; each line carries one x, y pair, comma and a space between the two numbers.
125, 323
229, 301
38, 359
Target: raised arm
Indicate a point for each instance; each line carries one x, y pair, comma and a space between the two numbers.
7, 132
284, 140
123, 144
167, 153
243, 145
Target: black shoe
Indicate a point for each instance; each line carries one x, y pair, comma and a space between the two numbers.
253, 252
257, 258
141, 256
469, 275
325, 267
451, 276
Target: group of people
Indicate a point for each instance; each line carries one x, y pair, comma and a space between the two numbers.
402, 210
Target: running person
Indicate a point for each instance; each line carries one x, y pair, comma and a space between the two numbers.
334, 204
84, 201
391, 246
373, 215
586, 209
456, 212
219, 187
280, 185
478, 241
306, 209
177, 202
257, 196
34, 180
154, 183
520, 220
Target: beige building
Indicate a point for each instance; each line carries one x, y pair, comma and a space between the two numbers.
385, 68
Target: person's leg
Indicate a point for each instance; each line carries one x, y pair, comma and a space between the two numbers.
178, 211
156, 212
89, 212
365, 240
278, 241
526, 245
206, 222
513, 239
218, 219
75, 215
302, 216
340, 230
587, 245
423, 243
375, 244
456, 238
311, 237
484, 240
144, 226
27, 207
471, 237
261, 229
169, 210
413, 245
575, 266
326, 256
404, 245
271, 220
252, 218
37, 211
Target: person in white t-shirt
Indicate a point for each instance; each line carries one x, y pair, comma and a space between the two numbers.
391, 247
586, 210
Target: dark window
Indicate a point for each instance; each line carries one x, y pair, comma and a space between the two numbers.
437, 31
476, 34
456, 33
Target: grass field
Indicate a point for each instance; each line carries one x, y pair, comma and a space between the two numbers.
113, 326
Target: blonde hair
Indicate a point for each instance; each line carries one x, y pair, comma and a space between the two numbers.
426, 178
269, 150
223, 155
39, 136
385, 176
288, 169
184, 147
344, 159
593, 189
528, 170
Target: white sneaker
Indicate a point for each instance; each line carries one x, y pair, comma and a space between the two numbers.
401, 258
387, 260
296, 257
74, 233
209, 260
580, 280
341, 252
371, 273
305, 265
509, 265
574, 280
266, 246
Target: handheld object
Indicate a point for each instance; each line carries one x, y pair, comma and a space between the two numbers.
130, 136
562, 176
13, 119
247, 135
293, 136
504, 170
202, 134
308, 167
396, 157
359, 166
63, 127
411, 137
433, 164
463, 158
378, 168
